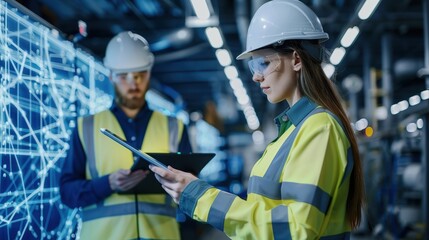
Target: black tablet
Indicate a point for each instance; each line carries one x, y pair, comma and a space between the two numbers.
188, 162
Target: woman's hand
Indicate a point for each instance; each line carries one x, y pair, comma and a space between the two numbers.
173, 181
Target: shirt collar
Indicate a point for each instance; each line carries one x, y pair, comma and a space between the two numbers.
143, 111
297, 112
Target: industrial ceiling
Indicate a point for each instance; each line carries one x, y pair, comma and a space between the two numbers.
390, 42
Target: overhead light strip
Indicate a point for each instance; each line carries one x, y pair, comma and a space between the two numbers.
201, 9
352, 32
223, 55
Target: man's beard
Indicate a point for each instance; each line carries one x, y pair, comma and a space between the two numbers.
133, 103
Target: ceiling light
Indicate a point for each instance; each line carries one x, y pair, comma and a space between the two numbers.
214, 37
236, 83
223, 57
253, 122
367, 9
231, 72
414, 100
381, 113
329, 70
258, 137
201, 9
394, 109
419, 123
411, 127
337, 55
403, 105
361, 124
349, 36
243, 99
425, 94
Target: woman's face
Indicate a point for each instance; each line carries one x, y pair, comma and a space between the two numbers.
276, 73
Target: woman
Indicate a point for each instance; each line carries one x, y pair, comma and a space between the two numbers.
308, 184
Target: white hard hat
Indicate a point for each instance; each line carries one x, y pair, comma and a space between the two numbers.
128, 52
280, 20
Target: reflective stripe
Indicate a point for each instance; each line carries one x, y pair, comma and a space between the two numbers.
127, 208
280, 222
341, 236
291, 191
168, 199
191, 194
88, 138
276, 167
307, 193
219, 208
173, 130
264, 187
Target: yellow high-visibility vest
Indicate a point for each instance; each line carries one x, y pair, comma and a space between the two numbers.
115, 217
297, 190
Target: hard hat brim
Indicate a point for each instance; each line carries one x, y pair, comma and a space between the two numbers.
129, 70
244, 55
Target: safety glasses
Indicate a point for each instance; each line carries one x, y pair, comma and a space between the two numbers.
129, 78
264, 65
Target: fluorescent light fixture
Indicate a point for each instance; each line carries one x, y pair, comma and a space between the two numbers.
258, 137
201, 9
380, 113
240, 93
329, 70
337, 55
414, 100
419, 123
361, 124
236, 83
411, 127
243, 99
367, 9
425, 94
253, 122
403, 105
223, 57
248, 110
250, 115
349, 36
231, 72
214, 36
394, 109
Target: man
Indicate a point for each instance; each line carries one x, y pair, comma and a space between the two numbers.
96, 168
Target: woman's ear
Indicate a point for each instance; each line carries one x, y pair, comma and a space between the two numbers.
296, 61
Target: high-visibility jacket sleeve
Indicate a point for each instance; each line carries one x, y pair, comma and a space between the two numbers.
309, 182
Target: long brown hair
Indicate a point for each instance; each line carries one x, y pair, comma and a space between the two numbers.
319, 88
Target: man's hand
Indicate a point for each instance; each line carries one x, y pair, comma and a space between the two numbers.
123, 180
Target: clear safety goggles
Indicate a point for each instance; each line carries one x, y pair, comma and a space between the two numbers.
265, 65
129, 78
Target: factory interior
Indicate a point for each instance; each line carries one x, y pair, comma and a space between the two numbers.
52, 72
